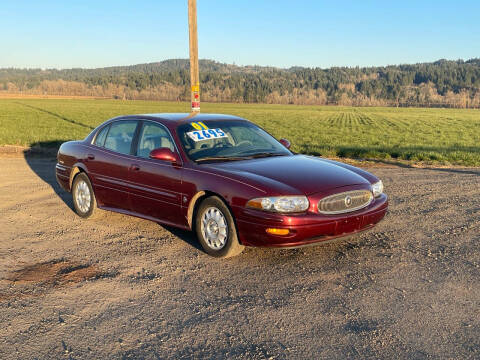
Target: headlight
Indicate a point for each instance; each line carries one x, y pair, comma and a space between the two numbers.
377, 188
283, 204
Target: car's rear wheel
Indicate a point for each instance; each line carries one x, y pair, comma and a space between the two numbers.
83, 197
216, 229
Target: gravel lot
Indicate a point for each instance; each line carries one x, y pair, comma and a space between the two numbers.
121, 287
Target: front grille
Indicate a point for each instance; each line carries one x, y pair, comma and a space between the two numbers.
345, 202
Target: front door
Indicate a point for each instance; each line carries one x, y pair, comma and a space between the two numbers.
156, 184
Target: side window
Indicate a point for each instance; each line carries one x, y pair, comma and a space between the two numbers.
101, 135
120, 136
152, 137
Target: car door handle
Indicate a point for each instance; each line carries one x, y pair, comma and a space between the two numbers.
91, 157
135, 167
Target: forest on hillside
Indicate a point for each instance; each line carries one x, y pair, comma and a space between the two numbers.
442, 83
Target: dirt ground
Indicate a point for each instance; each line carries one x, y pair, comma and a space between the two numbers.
121, 287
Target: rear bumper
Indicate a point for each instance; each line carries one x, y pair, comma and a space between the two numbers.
62, 174
308, 228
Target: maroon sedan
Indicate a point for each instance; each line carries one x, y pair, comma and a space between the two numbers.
219, 175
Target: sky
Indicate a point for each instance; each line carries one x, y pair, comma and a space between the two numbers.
312, 33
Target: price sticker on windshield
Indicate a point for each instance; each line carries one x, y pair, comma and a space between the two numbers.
202, 135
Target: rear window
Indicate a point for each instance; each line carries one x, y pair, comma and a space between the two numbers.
120, 136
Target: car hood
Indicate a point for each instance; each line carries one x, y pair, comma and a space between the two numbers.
298, 173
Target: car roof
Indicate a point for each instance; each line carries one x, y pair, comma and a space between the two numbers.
180, 118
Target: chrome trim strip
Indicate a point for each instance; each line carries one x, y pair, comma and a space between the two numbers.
130, 185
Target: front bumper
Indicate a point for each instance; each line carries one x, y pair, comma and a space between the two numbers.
305, 229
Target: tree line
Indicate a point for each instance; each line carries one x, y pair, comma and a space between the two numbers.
439, 84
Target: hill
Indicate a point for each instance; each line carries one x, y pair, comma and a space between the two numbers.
442, 83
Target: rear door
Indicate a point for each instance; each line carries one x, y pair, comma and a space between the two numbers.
156, 184
109, 164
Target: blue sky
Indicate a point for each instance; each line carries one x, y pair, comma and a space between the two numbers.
99, 33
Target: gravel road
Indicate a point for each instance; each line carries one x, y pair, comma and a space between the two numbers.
121, 287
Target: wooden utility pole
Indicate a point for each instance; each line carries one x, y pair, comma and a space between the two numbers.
194, 77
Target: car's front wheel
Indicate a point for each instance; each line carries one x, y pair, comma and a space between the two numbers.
83, 196
216, 229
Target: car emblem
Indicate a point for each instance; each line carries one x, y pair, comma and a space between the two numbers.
348, 201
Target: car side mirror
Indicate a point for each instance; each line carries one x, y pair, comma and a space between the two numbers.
165, 154
285, 143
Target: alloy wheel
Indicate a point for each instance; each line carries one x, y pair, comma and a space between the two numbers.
82, 196
214, 228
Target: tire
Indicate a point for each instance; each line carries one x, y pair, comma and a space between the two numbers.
83, 196
216, 230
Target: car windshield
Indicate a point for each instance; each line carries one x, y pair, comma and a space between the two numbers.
227, 141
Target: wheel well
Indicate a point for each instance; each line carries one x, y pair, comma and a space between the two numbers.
196, 201
192, 208
75, 171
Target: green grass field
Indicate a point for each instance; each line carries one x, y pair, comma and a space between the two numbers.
439, 136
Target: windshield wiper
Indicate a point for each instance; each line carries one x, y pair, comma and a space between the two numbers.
245, 157
266, 154
223, 158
